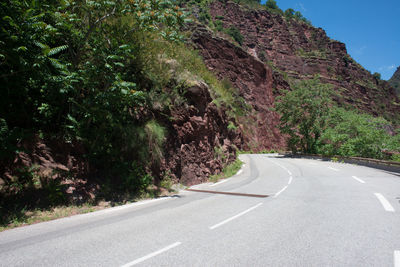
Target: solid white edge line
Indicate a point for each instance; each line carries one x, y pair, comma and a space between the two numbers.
140, 203
290, 180
151, 255
220, 182
333, 169
385, 203
358, 179
396, 256
283, 189
234, 217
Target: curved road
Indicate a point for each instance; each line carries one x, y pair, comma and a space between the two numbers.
317, 214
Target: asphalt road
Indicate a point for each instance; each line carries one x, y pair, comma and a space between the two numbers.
317, 214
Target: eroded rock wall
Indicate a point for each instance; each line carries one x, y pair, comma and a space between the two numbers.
255, 81
301, 51
199, 143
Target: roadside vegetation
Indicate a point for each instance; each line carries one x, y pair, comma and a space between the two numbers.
228, 171
100, 76
316, 125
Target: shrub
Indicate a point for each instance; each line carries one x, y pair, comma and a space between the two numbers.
353, 134
235, 34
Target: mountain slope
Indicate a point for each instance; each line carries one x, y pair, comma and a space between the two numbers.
276, 51
395, 81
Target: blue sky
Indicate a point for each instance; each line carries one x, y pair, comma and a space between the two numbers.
369, 28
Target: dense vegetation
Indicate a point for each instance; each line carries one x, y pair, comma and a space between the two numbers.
315, 124
100, 74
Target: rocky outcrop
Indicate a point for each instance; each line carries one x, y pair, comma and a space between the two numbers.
300, 51
48, 169
255, 81
395, 81
199, 142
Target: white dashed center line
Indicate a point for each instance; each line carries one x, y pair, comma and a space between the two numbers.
234, 217
397, 258
151, 255
277, 194
358, 179
386, 205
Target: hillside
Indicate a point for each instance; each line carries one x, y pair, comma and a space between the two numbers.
395, 81
277, 51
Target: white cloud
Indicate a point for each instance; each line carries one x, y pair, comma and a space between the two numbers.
300, 6
387, 68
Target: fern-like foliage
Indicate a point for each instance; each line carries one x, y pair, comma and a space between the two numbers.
55, 50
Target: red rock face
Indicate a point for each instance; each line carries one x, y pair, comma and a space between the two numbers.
299, 50
199, 142
255, 82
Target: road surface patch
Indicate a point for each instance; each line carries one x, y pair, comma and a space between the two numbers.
385, 203
151, 255
358, 179
227, 193
234, 217
396, 258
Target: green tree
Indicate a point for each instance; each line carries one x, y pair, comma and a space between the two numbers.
303, 114
271, 4
289, 13
377, 76
353, 134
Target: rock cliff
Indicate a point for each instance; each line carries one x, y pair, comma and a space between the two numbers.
276, 52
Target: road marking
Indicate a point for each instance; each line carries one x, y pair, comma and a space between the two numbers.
234, 217
386, 205
358, 179
396, 258
140, 203
333, 169
290, 179
283, 167
283, 189
220, 182
151, 255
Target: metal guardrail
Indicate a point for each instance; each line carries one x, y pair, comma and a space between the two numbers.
376, 161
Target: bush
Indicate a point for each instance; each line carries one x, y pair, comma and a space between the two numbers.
353, 134
235, 34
